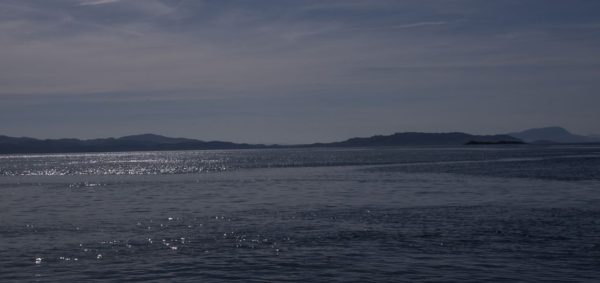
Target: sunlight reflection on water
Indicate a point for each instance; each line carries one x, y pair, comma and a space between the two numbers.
300, 216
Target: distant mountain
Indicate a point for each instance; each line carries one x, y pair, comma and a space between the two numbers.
149, 142
157, 139
552, 135
416, 139
127, 143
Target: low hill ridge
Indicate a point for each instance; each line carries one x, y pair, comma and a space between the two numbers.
143, 142
417, 138
156, 138
150, 142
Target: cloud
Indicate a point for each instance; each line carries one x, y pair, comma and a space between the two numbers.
421, 24
97, 2
387, 56
153, 46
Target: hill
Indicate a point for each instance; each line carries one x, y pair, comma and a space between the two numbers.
127, 143
416, 139
552, 135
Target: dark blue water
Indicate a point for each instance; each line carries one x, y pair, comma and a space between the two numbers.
397, 214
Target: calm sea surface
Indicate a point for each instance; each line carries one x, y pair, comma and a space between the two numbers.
395, 214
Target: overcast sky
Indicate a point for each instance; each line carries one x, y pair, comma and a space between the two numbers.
296, 71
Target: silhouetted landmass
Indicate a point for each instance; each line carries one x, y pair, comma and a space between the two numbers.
128, 143
151, 142
550, 135
493, 143
417, 139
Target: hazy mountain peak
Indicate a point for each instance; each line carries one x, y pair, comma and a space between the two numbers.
548, 130
551, 134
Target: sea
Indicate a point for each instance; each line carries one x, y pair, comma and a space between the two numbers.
516, 213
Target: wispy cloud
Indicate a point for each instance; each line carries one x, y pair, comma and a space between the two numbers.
97, 2
420, 24
404, 25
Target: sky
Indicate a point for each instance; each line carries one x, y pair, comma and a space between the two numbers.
296, 71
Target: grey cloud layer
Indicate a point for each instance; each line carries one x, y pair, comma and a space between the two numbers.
388, 54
